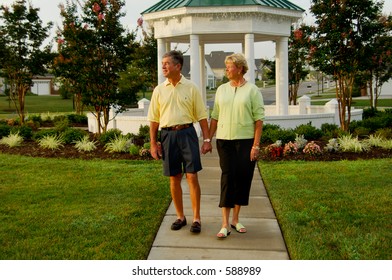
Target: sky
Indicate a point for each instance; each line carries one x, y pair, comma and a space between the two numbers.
49, 11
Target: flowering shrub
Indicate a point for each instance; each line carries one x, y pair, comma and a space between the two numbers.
275, 150
145, 153
290, 149
312, 149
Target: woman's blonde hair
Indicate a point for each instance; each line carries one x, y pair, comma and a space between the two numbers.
239, 60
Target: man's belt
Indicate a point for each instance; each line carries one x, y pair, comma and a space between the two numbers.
178, 127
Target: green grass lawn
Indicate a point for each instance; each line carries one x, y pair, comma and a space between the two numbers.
97, 209
333, 210
75, 209
37, 104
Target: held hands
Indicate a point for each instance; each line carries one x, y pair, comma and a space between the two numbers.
207, 147
254, 153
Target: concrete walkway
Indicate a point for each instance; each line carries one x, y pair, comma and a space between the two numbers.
263, 241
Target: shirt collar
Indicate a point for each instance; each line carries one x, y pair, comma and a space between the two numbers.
179, 82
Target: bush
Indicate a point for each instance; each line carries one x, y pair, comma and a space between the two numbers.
109, 135
308, 131
361, 131
144, 131
373, 120
370, 113
312, 149
35, 118
44, 132
5, 130
77, 119
71, 135
330, 131
273, 133
25, 131
61, 124
134, 150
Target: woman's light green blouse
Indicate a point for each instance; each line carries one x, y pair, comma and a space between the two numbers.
236, 110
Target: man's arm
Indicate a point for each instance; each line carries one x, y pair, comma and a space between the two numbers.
206, 147
155, 148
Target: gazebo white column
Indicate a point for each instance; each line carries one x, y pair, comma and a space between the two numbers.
250, 56
195, 60
161, 51
203, 74
282, 76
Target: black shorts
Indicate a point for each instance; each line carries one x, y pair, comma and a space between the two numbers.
180, 151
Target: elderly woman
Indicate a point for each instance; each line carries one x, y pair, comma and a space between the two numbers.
237, 119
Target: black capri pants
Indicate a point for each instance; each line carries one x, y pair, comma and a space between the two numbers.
237, 171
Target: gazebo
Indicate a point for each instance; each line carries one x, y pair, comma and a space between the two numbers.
201, 22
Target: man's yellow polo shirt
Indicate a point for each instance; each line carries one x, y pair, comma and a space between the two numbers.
172, 105
236, 111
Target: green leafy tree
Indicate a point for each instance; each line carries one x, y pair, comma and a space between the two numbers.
343, 30
94, 49
298, 54
22, 53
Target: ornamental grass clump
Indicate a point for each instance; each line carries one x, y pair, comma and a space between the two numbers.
290, 149
387, 145
120, 144
312, 149
52, 142
348, 143
374, 140
85, 145
12, 140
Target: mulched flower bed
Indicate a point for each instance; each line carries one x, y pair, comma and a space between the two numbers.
330, 156
31, 148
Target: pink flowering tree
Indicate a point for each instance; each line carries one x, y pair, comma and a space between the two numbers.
94, 48
343, 32
298, 54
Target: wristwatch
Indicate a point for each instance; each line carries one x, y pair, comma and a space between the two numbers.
208, 140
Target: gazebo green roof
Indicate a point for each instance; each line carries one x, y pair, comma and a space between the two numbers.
172, 4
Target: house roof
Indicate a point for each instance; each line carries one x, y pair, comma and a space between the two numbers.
172, 4
216, 59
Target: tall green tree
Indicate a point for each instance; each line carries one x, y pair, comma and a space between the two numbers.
22, 51
343, 29
94, 48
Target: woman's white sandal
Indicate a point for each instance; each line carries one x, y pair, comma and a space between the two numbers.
223, 233
239, 228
